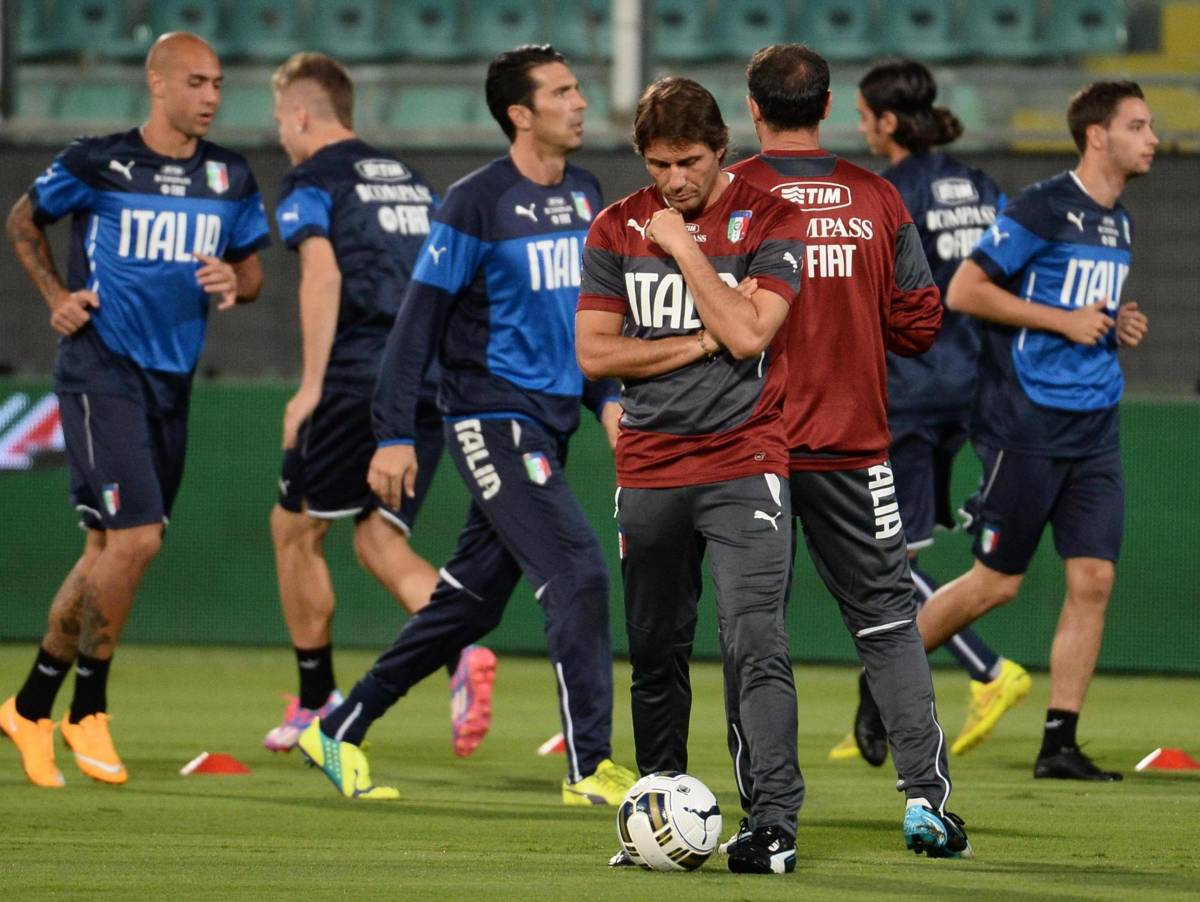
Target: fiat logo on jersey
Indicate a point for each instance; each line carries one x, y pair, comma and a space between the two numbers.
382, 170
815, 195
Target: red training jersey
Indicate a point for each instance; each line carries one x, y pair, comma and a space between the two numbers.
867, 290
713, 420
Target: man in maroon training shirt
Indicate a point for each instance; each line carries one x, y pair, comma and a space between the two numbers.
867, 290
702, 452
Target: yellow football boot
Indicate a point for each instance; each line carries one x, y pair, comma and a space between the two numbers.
989, 702
35, 741
343, 763
93, 748
608, 785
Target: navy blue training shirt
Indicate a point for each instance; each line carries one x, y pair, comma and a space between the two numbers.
1040, 392
494, 293
137, 219
376, 212
952, 205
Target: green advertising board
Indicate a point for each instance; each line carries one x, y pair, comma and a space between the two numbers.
214, 581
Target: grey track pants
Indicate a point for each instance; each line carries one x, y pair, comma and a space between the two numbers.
852, 527
743, 526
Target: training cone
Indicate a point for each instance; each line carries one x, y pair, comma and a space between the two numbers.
555, 745
213, 763
1168, 759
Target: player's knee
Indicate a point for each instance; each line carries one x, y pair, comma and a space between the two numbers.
137, 546
993, 588
377, 541
297, 532
1090, 581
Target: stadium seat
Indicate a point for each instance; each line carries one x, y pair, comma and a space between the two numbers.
247, 107
681, 31
494, 26
96, 28
744, 26
422, 29
432, 106
582, 29
964, 102
108, 103
34, 39
838, 29
1085, 26
346, 29
197, 16
922, 29
263, 29
1001, 28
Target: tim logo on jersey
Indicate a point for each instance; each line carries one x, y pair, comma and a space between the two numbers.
815, 195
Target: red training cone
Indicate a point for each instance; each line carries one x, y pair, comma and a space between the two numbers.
1168, 759
214, 763
555, 745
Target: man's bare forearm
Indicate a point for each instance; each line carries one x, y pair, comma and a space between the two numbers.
33, 250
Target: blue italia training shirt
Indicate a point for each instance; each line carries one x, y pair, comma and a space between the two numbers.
494, 295
1040, 392
137, 219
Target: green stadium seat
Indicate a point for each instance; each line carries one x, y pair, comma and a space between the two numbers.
422, 29
346, 29
838, 29
36, 100
1086, 26
966, 103
34, 40
96, 28
582, 29
746, 25
96, 102
247, 107
1001, 28
681, 31
433, 106
197, 16
494, 26
263, 29
922, 29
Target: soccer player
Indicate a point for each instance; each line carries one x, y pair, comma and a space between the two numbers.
1046, 280
702, 453
358, 219
930, 397
162, 221
494, 292
868, 291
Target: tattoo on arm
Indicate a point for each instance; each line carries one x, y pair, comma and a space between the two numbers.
33, 249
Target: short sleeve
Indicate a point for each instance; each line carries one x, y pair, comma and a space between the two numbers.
778, 261
63, 187
303, 213
603, 283
455, 247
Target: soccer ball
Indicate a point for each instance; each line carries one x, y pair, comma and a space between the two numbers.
669, 822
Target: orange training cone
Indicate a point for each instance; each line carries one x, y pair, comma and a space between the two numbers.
1168, 759
214, 763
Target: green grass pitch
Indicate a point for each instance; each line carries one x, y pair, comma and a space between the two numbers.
492, 826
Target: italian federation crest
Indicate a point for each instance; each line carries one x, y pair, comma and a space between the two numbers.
738, 222
217, 176
582, 207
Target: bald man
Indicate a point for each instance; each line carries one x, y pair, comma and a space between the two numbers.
164, 224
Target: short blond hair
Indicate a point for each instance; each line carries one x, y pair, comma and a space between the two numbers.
327, 74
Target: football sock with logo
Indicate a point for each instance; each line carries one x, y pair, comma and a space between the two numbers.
36, 698
1060, 731
975, 656
91, 687
316, 675
367, 702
